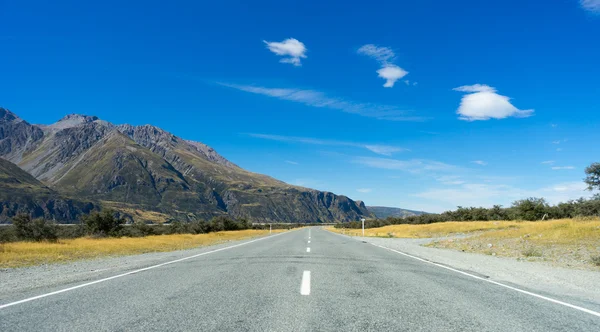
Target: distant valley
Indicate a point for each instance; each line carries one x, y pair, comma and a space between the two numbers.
383, 212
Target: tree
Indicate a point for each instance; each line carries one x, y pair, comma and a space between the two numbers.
530, 208
103, 224
592, 178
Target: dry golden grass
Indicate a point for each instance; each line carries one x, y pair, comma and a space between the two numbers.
18, 254
566, 242
429, 230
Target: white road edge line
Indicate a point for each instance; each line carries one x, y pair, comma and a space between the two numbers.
572, 306
308, 249
135, 271
305, 287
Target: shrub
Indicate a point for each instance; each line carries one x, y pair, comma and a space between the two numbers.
38, 229
595, 260
102, 223
138, 229
531, 252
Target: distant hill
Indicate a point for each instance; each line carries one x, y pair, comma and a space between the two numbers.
383, 212
144, 170
22, 193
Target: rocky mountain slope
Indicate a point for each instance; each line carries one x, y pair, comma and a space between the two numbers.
383, 212
22, 193
144, 168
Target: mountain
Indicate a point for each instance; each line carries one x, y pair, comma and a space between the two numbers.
144, 169
383, 212
22, 193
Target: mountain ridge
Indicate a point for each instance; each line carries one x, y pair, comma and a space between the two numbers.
147, 168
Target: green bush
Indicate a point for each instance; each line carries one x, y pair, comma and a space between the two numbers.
103, 223
37, 229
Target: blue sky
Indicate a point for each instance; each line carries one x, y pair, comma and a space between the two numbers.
484, 102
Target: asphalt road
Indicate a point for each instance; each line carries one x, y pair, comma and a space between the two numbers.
263, 286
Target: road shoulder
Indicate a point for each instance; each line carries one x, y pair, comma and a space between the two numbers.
566, 283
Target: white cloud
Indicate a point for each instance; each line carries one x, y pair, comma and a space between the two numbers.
450, 180
414, 166
291, 48
475, 88
559, 150
548, 162
553, 125
562, 167
291, 162
385, 56
591, 5
386, 150
479, 162
483, 103
364, 190
319, 99
391, 74
555, 142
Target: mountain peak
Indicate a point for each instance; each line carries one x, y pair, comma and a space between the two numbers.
6, 115
73, 120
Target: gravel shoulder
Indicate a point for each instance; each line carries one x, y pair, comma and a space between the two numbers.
17, 282
538, 276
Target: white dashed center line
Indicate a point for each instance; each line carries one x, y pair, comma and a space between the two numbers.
307, 249
305, 287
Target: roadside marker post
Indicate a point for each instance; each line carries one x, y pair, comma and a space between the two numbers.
363, 225
270, 228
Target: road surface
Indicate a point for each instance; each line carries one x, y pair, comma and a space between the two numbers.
303, 280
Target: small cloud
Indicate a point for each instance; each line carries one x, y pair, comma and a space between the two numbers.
558, 150
548, 162
364, 190
291, 48
385, 56
556, 168
415, 83
555, 142
475, 88
483, 103
391, 74
407, 82
553, 125
479, 162
591, 5
291, 162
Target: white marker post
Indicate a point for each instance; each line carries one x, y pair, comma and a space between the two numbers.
270, 229
363, 225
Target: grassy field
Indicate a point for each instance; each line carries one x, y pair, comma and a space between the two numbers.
18, 254
566, 242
